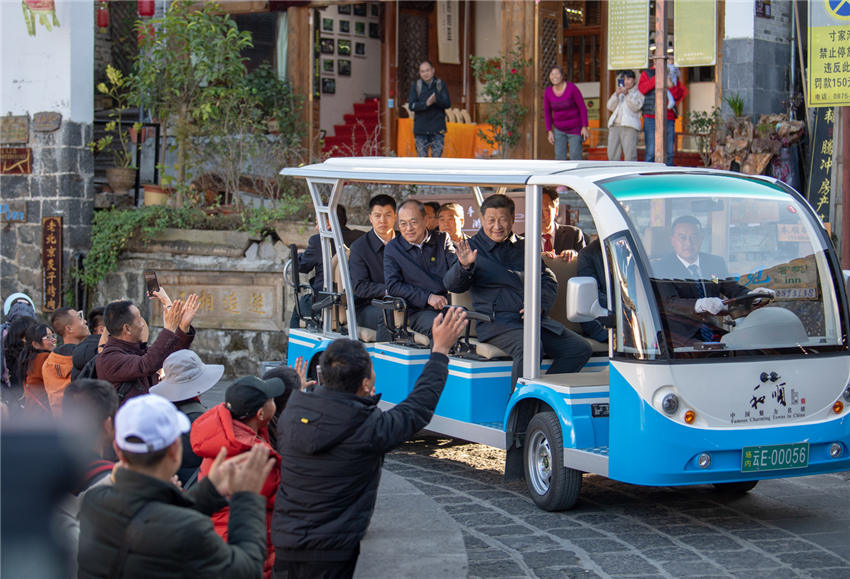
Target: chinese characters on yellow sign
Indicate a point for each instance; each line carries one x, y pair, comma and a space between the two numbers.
628, 34
51, 262
829, 53
229, 301
695, 33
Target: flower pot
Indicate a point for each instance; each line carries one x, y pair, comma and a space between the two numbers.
121, 179
155, 195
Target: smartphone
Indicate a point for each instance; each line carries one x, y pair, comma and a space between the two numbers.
151, 282
620, 81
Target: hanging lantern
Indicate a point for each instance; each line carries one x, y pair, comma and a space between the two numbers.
102, 16
146, 8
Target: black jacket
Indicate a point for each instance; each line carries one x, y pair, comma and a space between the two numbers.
85, 351
332, 446
176, 538
429, 120
496, 284
678, 293
311, 257
413, 273
568, 237
366, 267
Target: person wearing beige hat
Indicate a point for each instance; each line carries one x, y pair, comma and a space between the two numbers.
185, 378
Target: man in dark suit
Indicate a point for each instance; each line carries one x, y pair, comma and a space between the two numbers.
414, 265
692, 285
590, 265
311, 259
366, 265
559, 241
491, 266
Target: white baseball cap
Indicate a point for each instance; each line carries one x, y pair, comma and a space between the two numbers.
152, 419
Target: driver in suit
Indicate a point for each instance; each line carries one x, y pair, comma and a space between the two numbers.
691, 284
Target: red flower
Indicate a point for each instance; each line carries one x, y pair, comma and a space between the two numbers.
513, 71
510, 134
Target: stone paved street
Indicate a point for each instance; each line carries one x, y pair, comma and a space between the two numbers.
783, 528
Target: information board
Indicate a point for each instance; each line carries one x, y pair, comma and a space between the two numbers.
628, 34
829, 53
695, 33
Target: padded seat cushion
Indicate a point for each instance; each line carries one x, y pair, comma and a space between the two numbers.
366, 334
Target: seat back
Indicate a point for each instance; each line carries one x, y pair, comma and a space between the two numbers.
339, 310
563, 270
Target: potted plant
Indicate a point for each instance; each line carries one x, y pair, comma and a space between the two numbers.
196, 48
502, 81
702, 125
122, 176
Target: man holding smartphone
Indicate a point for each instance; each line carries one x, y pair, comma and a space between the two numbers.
126, 360
625, 105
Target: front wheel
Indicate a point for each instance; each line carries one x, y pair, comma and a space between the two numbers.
736, 488
552, 486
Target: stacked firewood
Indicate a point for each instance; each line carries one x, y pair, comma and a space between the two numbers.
747, 148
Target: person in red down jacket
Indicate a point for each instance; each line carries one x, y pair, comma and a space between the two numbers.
237, 425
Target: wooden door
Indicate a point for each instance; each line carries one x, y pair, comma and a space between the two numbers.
550, 51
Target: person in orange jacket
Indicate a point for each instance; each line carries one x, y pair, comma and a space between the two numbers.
40, 341
676, 92
71, 326
237, 425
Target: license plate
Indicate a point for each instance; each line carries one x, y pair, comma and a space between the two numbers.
775, 457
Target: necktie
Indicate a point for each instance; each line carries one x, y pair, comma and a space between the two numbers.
547, 242
705, 332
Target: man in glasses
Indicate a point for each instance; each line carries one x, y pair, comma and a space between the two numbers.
71, 326
414, 266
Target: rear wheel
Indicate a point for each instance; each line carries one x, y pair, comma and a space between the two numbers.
552, 486
736, 488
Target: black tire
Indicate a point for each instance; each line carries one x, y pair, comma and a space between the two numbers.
736, 488
552, 486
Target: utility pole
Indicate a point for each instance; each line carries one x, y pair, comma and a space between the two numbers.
660, 60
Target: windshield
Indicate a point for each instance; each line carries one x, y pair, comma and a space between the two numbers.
735, 265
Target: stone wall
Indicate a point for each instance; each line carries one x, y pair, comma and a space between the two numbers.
60, 185
757, 67
241, 351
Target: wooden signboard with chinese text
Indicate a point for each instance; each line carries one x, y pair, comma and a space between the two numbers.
51, 262
14, 129
15, 161
46, 121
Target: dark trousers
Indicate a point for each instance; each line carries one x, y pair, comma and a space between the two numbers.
315, 569
422, 321
433, 141
369, 316
595, 330
568, 350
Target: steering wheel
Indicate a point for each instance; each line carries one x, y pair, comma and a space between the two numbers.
741, 306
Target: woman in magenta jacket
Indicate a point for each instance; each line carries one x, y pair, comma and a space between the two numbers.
566, 116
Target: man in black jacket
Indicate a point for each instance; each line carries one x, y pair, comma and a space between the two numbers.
144, 526
311, 259
491, 265
414, 266
332, 444
366, 265
429, 99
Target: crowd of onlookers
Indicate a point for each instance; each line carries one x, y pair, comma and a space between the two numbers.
157, 484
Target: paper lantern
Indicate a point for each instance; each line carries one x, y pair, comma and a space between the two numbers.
146, 8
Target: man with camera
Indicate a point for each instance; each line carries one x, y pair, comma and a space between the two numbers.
625, 105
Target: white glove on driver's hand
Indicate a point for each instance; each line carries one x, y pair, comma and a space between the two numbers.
709, 305
763, 291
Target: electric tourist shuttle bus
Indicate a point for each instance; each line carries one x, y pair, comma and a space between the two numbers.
726, 373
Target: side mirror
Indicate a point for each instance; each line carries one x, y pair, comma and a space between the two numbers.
583, 300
